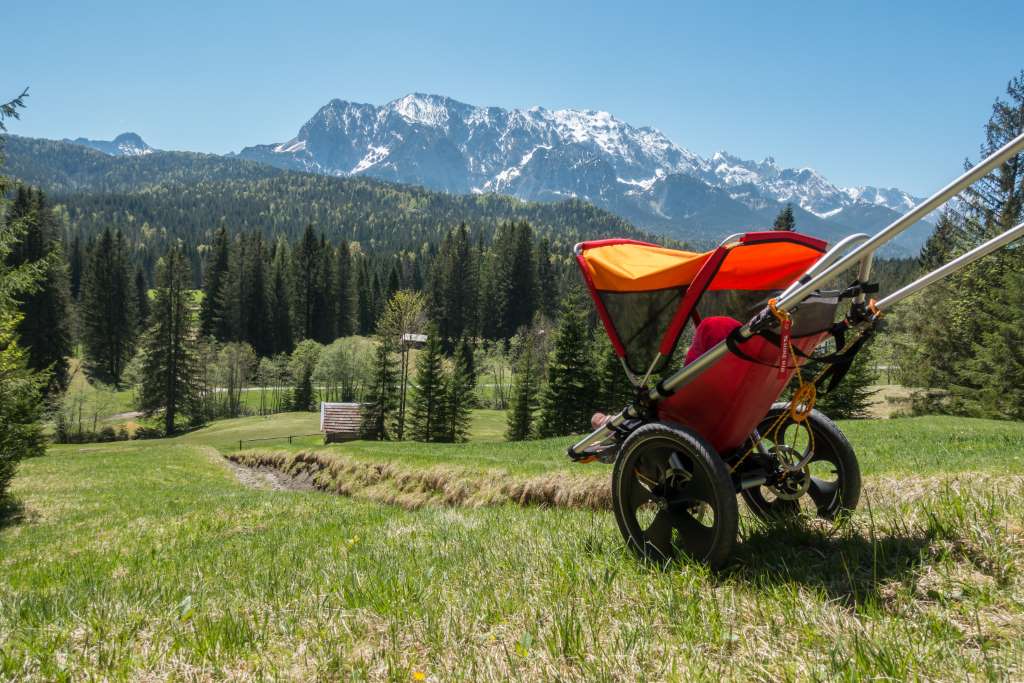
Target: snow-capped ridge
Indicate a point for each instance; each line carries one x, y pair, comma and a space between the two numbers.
549, 154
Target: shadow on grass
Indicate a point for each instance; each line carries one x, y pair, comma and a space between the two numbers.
850, 564
12, 513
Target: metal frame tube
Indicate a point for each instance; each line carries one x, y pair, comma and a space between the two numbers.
812, 279
968, 178
956, 264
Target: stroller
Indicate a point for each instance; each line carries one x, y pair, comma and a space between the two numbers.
713, 429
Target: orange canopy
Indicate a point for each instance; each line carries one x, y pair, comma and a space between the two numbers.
764, 264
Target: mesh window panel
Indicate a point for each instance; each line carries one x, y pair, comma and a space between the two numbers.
640, 319
816, 313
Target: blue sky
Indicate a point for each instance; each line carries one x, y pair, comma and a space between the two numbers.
891, 94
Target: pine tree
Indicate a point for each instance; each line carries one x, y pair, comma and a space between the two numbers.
76, 264
453, 287
366, 304
279, 301
568, 398
303, 363
307, 280
851, 399
108, 315
382, 400
428, 421
170, 363
344, 290
522, 281
459, 399
968, 357
465, 355
324, 310
785, 220
993, 295
526, 382
213, 320
21, 429
141, 303
547, 287
44, 329
1000, 353
615, 391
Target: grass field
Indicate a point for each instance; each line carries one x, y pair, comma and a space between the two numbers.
149, 560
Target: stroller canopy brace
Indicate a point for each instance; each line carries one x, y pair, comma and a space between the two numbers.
645, 293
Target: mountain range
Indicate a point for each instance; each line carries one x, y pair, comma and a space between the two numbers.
548, 155
543, 155
124, 145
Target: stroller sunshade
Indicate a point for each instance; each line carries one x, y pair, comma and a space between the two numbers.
645, 293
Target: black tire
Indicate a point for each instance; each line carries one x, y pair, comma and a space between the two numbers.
665, 507
834, 487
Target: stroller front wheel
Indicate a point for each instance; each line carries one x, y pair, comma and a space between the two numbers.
672, 496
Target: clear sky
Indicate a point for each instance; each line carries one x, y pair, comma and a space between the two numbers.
888, 93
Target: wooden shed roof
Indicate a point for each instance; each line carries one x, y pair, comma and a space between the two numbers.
340, 417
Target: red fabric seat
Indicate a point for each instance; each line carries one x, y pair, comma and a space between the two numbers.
726, 402
710, 332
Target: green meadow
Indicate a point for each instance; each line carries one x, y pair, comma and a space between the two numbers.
159, 560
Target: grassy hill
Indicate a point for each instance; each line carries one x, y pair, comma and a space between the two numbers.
150, 560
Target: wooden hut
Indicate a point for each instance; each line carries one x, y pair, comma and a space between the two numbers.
340, 421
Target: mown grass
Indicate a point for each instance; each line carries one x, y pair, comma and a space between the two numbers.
149, 560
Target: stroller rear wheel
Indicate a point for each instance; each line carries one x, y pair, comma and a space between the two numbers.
672, 496
826, 487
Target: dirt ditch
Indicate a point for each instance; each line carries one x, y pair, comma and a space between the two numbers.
415, 487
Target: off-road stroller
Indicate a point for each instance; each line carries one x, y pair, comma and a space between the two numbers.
715, 428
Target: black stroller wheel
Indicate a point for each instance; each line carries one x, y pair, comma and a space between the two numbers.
672, 496
831, 482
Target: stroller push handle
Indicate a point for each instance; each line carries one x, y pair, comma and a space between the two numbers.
830, 265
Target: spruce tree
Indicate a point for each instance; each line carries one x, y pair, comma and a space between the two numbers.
428, 420
453, 287
141, 303
851, 399
170, 362
465, 355
44, 330
785, 220
521, 281
344, 284
615, 391
526, 382
214, 321
307, 272
279, 301
366, 303
382, 399
547, 287
568, 398
999, 361
76, 264
108, 310
324, 310
303, 363
459, 397
21, 429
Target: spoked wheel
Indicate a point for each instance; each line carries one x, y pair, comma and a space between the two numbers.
826, 487
672, 496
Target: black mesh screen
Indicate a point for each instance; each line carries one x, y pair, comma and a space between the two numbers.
640, 319
816, 313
